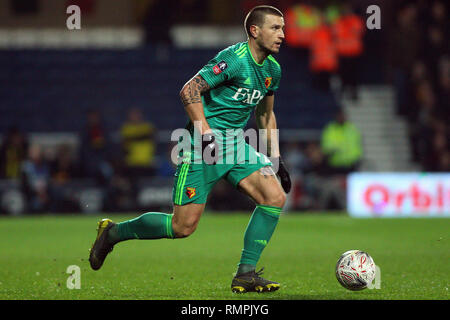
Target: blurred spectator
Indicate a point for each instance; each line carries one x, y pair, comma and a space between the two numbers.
296, 162
63, 171
314, 175
323, 56
323, 188
404, 47
138, 148
13, 152
119, 192
348, 31
429, 128
94, 149
419, 74
422, 127
295, 159
36, 179
138, 144
333, 36
302, 21
435, 147
421, 79
438, 17
434, 48
444, 162
63, 168
440, 149
316, 159
341, 144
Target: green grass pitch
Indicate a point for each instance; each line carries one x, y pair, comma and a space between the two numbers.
413, 255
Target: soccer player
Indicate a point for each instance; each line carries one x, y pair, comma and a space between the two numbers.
221, 96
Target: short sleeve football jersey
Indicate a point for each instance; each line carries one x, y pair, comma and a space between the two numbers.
238, 83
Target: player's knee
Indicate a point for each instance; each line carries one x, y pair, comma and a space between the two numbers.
276, 199
184, 232
184, 229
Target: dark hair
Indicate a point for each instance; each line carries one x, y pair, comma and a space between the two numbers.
256, 16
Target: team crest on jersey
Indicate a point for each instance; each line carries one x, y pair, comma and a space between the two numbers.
268, 82
221, 66
190, 192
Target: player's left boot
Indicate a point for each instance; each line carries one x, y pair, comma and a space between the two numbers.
252, 282
101, 246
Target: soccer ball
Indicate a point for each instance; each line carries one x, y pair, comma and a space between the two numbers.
355, 270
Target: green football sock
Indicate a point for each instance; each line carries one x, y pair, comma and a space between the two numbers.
151, 225
258, 233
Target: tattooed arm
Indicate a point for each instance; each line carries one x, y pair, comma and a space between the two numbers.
191, 97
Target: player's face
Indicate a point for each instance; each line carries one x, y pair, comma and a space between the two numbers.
271, 34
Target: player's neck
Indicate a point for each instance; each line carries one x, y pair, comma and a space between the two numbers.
258, 54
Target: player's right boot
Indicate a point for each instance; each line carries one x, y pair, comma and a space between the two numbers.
252, 282
101, 246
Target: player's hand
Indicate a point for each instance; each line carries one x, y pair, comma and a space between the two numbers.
210, 151
285, 179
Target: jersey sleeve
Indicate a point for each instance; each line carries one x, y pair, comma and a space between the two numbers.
276, 71
221, 68
276, 82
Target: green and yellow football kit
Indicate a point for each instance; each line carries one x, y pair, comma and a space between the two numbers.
237, 84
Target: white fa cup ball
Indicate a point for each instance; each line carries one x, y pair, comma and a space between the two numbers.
355, 270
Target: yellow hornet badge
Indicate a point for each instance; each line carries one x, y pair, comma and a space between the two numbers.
268, 82
190, 192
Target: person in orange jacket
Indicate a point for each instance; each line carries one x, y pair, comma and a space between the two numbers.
302, 21
323, 59
323, 56
348, 31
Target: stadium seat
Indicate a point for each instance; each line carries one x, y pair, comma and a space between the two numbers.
64, 84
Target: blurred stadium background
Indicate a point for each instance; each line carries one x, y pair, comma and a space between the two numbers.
86, 115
